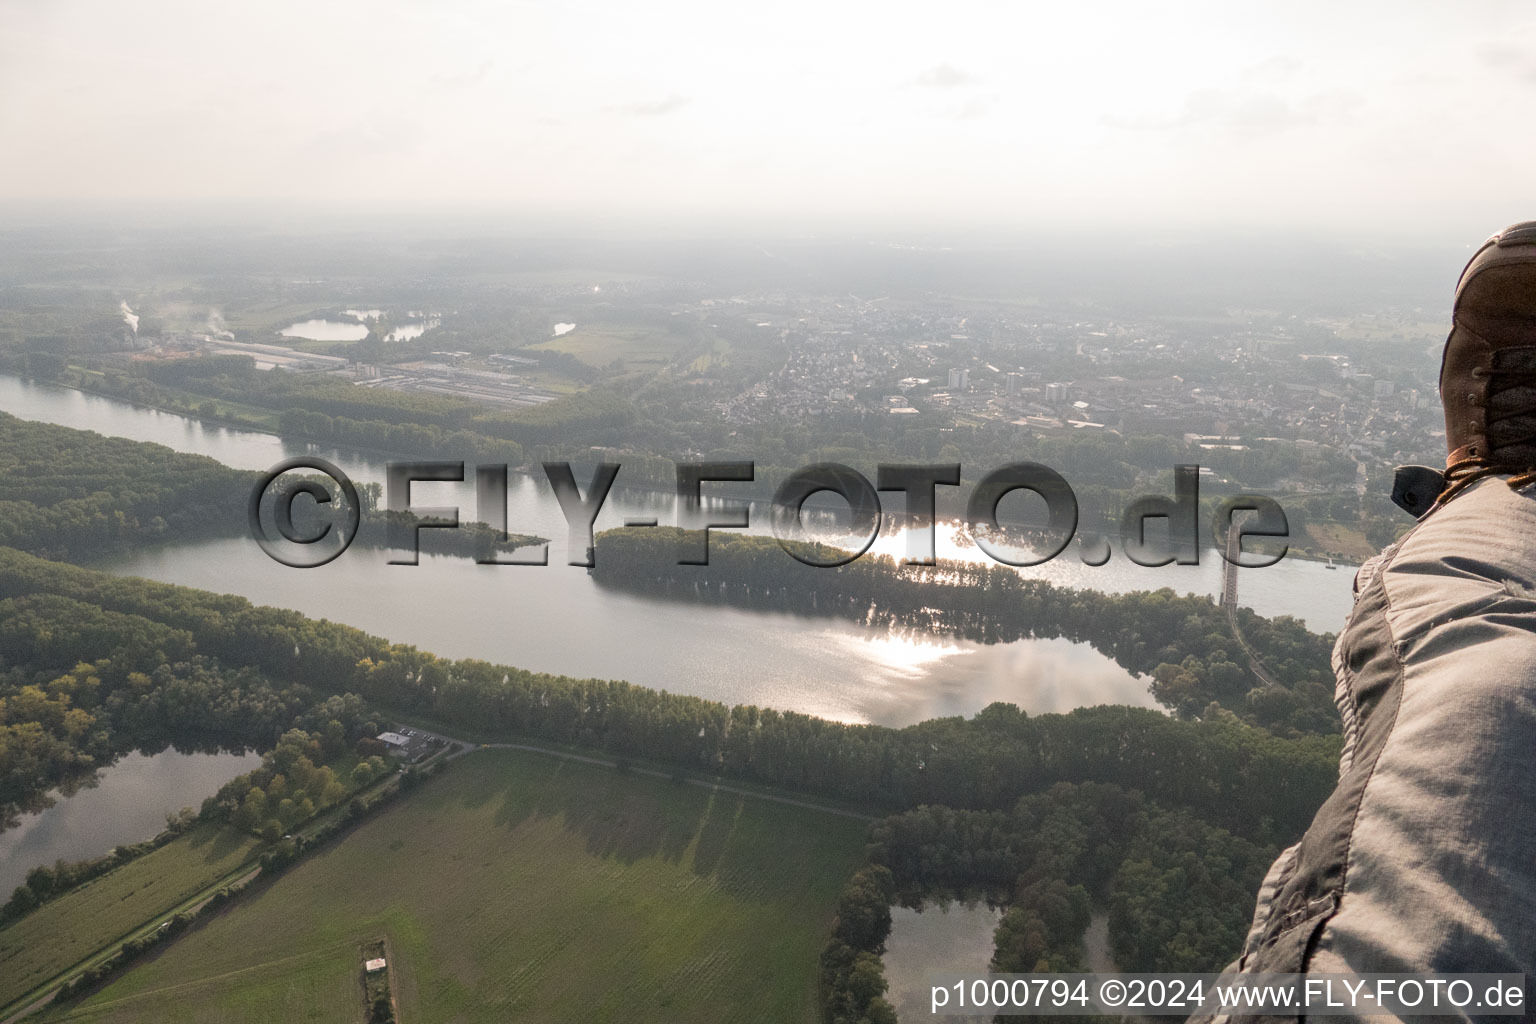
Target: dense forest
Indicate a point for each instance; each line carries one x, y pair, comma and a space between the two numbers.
1182, 644
1178, 891
70, 493
81, 683
74, 494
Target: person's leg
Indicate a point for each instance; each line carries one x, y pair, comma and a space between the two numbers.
1440, 870
1424, 857
1428, 849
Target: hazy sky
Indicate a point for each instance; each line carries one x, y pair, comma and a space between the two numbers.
1301, 113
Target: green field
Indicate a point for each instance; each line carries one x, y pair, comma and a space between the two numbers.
522, 887
63, 932
639, 348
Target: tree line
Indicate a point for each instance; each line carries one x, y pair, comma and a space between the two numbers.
1179, 889
277, 858
1181, 643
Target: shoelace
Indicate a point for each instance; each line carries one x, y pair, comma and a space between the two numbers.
1468, 471
1503, 380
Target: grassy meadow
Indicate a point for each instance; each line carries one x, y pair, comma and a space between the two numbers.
522, 887
638, 348
65, 931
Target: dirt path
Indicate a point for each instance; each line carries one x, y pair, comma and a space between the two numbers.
714, 787
196, 903
1253, 659
96, 1008
467, 747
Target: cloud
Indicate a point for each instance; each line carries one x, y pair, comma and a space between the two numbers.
1275, 69
943, 76
1507, 58
1244, 113
654, 108
1501, 55
373, 137
465, 79
972, 109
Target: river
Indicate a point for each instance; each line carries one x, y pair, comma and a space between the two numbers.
1318, 596
555, 619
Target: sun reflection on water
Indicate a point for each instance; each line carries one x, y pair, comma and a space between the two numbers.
906, 654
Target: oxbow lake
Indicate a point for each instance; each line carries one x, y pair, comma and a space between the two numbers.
127, 805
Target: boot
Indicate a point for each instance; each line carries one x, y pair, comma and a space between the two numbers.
1488, 373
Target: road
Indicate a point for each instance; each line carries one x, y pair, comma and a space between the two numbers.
1228, 600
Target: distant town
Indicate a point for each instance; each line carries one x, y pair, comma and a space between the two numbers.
1263, 377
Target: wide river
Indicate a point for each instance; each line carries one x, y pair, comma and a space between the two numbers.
555, 619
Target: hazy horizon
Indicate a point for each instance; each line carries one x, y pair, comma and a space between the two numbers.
1400, 120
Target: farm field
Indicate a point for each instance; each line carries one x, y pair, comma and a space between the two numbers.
1348, 542
521, 887
638, 348
64, 931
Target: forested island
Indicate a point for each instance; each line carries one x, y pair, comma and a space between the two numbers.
76, 494
1181, 643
